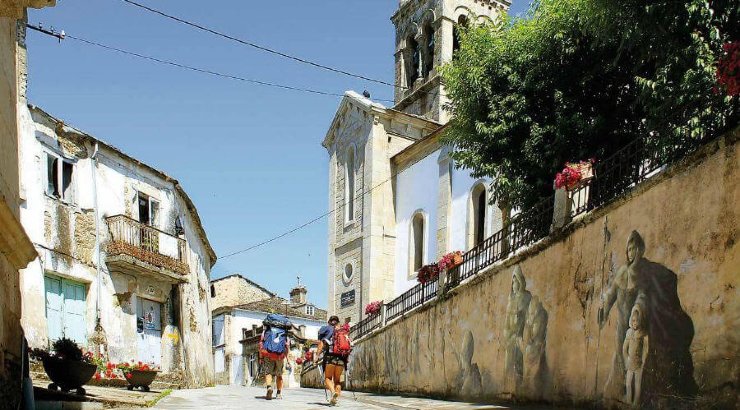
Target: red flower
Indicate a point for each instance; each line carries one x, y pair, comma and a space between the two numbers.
97, 376
129, 375
728, 68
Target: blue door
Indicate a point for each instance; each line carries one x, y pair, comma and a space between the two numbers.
65, 309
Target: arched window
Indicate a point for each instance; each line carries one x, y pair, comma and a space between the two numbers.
349, 194
477, 214
428, 50
417, 242
462, 22
413, 60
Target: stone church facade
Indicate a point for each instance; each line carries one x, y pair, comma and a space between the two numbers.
398, 199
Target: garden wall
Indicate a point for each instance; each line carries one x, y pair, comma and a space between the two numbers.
552, 324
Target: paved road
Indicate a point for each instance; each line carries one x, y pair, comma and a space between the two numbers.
235, 397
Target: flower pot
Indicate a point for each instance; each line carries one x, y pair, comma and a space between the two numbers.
68, 374
140, 378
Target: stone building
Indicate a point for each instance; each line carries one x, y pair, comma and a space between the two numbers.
400, 201
236, 326
235, 289
16, 249
124, 261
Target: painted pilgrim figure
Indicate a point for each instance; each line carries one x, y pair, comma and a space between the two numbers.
516, 314
634, 350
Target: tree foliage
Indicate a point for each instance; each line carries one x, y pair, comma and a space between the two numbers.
578, 79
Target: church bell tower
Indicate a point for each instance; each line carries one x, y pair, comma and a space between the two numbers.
426, 38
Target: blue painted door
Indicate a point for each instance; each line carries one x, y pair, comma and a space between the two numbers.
148, 314
65, 309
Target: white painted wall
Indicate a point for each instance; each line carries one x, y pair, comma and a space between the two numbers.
244, 319
118, 178
417, 188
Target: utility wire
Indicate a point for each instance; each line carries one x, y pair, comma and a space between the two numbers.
322, 216
62, 36
259, 47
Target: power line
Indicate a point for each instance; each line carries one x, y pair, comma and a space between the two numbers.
260, 47
62, 36
322, 216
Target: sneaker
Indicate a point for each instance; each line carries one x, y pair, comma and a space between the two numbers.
268, 396
279, 395
334, 399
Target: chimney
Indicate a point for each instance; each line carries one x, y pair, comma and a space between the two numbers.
298, 295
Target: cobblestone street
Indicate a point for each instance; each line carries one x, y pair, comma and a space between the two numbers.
234, 397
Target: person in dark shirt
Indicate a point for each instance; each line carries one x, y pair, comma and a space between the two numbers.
333, 365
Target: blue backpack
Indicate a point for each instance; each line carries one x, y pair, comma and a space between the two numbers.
275, 341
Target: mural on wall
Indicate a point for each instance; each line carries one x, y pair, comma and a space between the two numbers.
653, 333
471, 378
524, 337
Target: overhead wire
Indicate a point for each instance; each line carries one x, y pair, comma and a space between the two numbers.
258, 46
322, 216
63, 36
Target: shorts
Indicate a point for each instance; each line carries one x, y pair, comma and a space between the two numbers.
273, 367
335, 360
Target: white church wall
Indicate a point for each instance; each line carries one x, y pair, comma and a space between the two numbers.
416, 190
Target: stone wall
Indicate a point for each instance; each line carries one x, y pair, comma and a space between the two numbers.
650, 280
235, 290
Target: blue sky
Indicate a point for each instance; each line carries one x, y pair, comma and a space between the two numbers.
249, 156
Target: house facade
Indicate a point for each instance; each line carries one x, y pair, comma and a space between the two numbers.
399, 201
16, 249
124, 262
237, 327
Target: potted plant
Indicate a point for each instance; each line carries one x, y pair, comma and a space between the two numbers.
574, 174
428, 273
68, 367
373, 308
450, 260
138, 374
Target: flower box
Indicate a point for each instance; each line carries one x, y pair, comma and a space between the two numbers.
373, 308
68, 374
450, 260
140, 378
428, 273
574, 174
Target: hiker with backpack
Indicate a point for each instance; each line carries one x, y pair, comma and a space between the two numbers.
335, 344
273, 348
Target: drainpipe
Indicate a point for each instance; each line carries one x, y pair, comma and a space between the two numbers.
93, 168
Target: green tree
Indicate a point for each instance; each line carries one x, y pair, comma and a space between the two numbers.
578, 79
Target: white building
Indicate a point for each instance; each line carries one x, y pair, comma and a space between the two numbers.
124, 261
400, 201
236, 327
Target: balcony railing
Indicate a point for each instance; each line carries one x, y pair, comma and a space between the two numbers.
147, 244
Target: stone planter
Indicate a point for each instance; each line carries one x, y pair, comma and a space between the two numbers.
140, 378
68, 374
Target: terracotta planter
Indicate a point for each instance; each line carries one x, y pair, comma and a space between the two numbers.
140, 378
68, 374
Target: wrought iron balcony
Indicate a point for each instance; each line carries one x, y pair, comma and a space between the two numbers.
138, 248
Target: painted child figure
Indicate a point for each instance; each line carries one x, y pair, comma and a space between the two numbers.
634, 351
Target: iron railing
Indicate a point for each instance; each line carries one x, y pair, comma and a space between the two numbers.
522, 230
613, 177
144, 242
366, 325
622, 171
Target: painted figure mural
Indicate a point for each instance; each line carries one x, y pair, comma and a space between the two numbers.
471, 378
524, 337
667, 368
634, 350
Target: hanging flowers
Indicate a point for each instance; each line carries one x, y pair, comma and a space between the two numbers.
428, 273
574, 173
728, 68
373, 307
450, 260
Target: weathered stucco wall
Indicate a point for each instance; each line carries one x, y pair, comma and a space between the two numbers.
529, 329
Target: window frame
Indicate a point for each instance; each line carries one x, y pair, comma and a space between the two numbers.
61, 163
413, 247
152, 217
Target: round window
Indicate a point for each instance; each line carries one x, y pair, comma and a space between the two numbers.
348, 272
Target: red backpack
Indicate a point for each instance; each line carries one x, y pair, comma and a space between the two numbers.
341, 345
